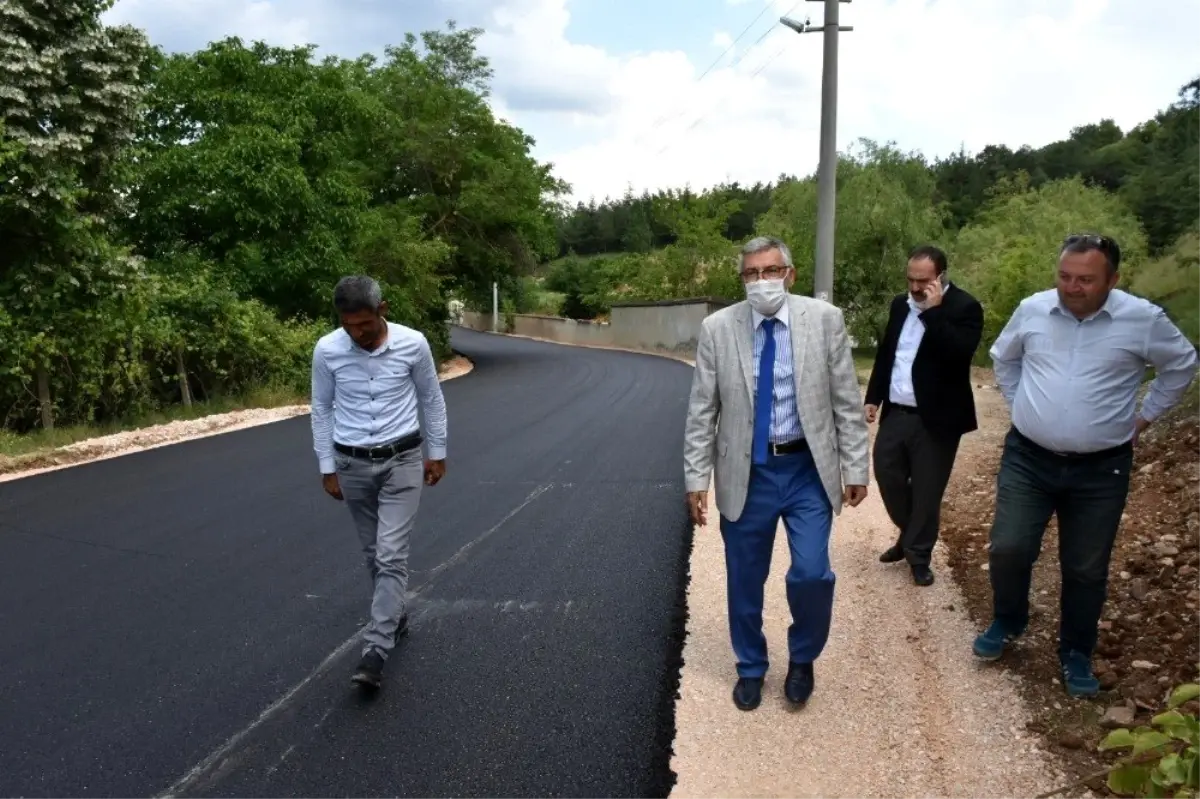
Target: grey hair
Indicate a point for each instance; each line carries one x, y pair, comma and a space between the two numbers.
762, 244
357, 293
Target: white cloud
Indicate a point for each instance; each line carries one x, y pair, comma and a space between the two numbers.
722, 40
929, 74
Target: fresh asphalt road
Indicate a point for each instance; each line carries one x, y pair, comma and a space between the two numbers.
180, 620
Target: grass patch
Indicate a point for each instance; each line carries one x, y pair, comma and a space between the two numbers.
23, 444
864, 361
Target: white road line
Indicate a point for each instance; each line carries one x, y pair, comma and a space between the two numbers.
198, 771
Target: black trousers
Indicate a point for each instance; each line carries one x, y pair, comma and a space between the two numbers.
912, 468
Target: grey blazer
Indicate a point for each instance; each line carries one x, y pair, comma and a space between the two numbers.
720, 420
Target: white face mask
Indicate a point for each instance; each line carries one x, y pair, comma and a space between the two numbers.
766, 296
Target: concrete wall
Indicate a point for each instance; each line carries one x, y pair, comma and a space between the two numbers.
669, 326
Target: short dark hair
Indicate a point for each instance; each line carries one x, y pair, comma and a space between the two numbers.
934, 254
357, 293
1087, 242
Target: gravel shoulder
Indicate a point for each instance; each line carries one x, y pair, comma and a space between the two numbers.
161, 435
900, 709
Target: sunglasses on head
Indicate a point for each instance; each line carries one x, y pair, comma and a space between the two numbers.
1093, 241
1090, 239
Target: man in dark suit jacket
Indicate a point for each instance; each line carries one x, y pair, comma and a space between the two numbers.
922, 383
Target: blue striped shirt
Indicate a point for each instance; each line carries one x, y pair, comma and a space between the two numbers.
785, 414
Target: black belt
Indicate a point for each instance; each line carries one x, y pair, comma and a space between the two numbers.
1099, 454
902, 408
788, 447
382, 452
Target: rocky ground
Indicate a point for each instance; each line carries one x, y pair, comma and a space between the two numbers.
1149, 641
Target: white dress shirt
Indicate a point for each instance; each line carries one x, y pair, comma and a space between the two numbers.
1072, 384
370, 399
785, 414
901, 391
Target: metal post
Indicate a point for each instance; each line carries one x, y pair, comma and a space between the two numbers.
827, 167
495, 307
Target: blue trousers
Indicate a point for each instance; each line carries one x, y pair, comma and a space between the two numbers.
787, 486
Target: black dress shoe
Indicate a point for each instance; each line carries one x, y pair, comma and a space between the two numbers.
922, 575
893, 554
370, 670
747, 693
798, 686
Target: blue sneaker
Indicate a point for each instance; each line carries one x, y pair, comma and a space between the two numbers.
990, 644
1077, 674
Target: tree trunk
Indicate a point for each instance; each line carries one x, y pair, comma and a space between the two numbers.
43, 390
185, 391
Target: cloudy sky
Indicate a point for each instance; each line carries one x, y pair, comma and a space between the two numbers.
649, 94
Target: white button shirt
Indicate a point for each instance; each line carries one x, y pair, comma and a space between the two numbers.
901, 391
1072, 384
368, 399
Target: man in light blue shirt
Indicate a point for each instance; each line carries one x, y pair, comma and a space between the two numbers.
372, 381
1069, 363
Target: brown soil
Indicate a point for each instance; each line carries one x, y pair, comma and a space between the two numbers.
1151, 614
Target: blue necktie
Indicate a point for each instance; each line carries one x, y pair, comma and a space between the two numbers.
764, 393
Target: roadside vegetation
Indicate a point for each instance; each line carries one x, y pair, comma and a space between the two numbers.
174, 223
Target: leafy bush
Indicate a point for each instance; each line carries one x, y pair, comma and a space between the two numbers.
1164, 758
1009, 252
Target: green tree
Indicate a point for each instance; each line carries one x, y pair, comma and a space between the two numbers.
1173, 282
1010, 251
885, 206
69, 102
444, 157
250, 159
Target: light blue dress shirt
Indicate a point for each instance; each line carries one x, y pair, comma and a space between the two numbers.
1072, 384
368, 399
785, 414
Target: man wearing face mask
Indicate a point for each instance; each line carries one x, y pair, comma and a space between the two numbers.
775, 413
921, 381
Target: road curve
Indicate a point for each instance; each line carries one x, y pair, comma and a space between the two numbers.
181, 619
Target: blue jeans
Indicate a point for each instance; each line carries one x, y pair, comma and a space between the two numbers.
1088, 493
787, 486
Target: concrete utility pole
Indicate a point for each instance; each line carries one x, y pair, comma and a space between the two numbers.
495, 307
827, 167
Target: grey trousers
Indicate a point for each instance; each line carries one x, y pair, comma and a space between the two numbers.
383, 497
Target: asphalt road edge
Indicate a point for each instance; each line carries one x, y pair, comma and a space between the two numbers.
665, 778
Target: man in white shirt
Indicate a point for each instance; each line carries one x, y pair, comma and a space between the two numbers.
372, 380
1070, 363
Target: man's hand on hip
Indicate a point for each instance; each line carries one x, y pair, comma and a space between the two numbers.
1139, 427
853, 495
698, 507
330, 483
434, 471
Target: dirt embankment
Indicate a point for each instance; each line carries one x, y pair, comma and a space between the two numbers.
1148, 641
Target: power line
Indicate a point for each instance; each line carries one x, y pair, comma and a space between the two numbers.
704, 115
668, 117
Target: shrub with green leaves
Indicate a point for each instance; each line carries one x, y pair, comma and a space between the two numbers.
1164, 757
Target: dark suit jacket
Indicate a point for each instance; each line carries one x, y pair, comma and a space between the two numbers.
941, 372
